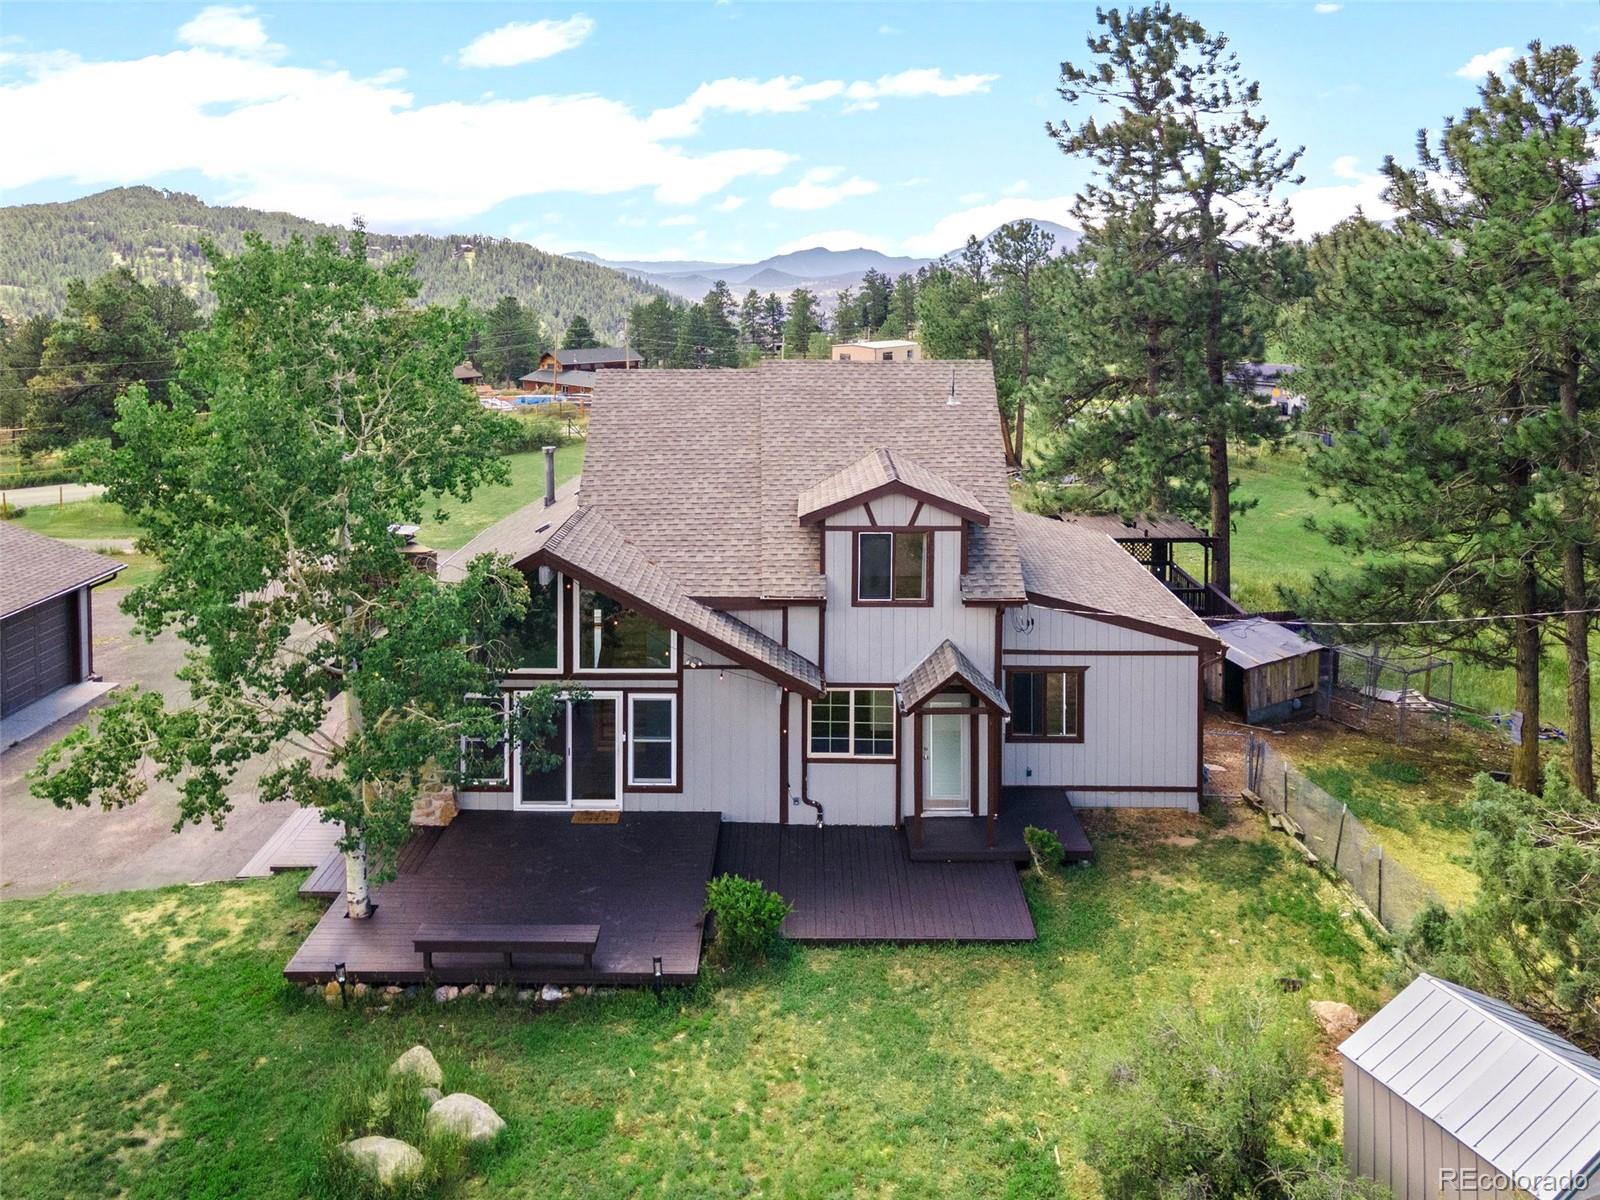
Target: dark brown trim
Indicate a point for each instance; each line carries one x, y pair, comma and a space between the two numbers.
972, 754
872, 518
927, 569
772, 673
966, 548
783, 756
915, 513
994, 774
953, 677
1109, 653
999, 644
895, 487
916, 786
783, 630
1095, 614
1077, 674
899, 779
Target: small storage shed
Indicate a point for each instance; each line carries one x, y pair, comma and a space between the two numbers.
1448, 1094
1269, 672
45, 641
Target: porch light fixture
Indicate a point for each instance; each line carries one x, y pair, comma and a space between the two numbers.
657, 983
694, 664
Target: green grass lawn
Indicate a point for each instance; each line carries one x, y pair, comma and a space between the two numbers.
150, 1048
102, 519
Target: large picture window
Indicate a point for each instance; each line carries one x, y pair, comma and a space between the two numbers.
612, 637
1046, 704
486, 761
536, 638
652, 740
853, 723
892, 567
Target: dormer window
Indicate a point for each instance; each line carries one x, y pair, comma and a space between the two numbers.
893, 567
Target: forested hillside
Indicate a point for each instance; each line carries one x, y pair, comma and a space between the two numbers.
157, 233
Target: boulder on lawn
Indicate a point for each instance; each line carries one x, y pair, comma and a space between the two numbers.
1338, 1020
432, 1094
419, 1062
466, 1115
389, 1159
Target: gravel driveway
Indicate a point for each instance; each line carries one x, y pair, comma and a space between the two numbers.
43, 848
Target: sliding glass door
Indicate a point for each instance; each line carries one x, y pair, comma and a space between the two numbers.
588, 773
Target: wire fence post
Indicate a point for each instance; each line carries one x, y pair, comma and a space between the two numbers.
1339, 841
1380, 886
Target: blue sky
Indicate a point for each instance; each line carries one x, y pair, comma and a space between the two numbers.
658, 130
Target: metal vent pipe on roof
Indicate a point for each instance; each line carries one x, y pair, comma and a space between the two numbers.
549, 476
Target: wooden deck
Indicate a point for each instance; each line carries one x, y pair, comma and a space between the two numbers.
641, 880
966, 839
856, 884
326, 882
303, 840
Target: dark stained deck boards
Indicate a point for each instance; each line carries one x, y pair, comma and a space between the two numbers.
641, 880
326, 882
856, 883
965, 839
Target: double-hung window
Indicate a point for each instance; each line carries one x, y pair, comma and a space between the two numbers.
853, 723
1046, 704
892, 567
652, 740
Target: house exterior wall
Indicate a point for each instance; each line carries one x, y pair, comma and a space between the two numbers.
1388, 1140
1141, 712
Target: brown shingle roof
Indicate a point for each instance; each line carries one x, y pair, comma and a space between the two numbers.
703, 470
883, 471
946, 664
35, 568
1156, 528
518, 536
1063, 561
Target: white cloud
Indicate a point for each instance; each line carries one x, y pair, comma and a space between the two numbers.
968, 199
1319, 209
919, 81
221, 27
780, 94
952, 232
836, 239
1325, 9
261, 132
821, 187
524, 42
1479, 65
679, 219
888, 31
1015, 189
728, 204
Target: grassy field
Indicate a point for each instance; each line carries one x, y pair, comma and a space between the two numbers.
102, 519
150, 1048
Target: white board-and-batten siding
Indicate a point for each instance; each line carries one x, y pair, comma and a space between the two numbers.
1141, 712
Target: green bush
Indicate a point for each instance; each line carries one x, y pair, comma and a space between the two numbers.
370, 1101
534, 431
748, 917
1197, 1103
1045, 847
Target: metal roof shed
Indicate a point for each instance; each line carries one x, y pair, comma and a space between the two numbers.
1269, 672
1448, 1093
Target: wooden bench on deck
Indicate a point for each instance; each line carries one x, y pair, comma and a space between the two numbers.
507, 940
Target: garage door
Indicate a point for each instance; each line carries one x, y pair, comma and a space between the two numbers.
38, 652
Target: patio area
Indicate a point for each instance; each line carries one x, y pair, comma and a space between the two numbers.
641, 880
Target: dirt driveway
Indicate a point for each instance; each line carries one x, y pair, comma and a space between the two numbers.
43, 848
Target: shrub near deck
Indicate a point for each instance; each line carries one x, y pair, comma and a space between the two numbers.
150, 1047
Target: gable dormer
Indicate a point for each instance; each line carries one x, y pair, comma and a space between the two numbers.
884, 521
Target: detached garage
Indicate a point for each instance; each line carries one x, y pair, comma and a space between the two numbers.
1450, 1095
45, 641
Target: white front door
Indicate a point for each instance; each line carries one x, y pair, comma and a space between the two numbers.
588, 741
947, 772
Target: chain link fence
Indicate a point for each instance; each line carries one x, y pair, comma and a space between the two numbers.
1334, 834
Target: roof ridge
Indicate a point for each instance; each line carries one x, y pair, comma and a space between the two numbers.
1488, 1007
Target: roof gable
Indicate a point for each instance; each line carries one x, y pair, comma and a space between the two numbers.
703, 470
880, 472
946, 664
39, 568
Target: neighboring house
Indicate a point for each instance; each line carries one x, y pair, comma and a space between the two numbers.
1448, 1093
1269, 383
1270, 673
468, 374
45, 624
549, 381
595, 358
886, 351
771, 610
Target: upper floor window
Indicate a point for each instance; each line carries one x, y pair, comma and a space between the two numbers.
536, 637
892, 568
1046, 704
612, 637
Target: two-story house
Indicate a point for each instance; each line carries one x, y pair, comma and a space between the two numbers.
804, 586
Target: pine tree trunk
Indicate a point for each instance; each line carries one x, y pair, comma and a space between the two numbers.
1525, 766
1221, 515
1575, 597
1217, 438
